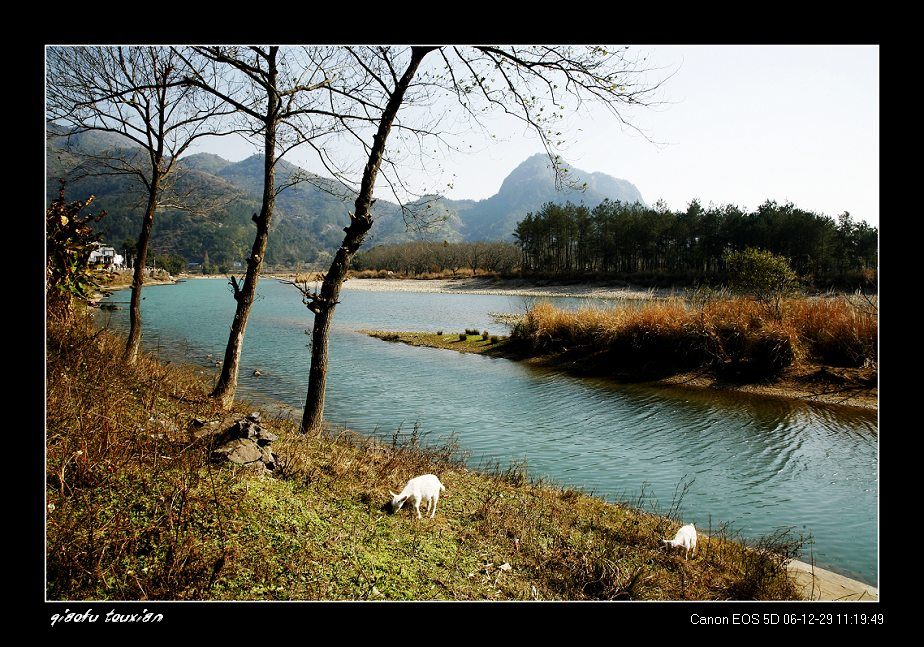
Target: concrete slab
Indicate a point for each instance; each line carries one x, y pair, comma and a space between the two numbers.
819, 584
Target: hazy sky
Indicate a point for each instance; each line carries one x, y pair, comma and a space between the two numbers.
741, 124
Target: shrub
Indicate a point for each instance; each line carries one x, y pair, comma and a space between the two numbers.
463, 336
763, 275
439, 332
70, 240
485, 335
494, 339
174, 263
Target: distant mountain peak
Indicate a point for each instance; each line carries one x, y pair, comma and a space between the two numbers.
310, 215
531, 185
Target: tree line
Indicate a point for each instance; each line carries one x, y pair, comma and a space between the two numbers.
632, 240
417, 258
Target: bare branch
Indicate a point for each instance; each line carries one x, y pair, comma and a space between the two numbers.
312, 299
235, 286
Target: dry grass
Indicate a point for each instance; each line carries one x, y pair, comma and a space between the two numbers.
840, 331
735, 338
137, 511
127, 497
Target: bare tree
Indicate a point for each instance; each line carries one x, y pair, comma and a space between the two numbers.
500, 257
536, 85
474, 254
273, 92
137, 93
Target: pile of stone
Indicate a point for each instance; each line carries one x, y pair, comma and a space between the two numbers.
245, 442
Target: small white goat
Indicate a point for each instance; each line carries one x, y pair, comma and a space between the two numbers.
419, 489
685, 537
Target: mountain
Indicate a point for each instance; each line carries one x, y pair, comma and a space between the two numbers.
206, 162
310, 215
531, 185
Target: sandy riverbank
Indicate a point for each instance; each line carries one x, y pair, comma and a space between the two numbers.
512, 287
124, 282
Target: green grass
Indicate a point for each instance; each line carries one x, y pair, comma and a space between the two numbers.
140, 513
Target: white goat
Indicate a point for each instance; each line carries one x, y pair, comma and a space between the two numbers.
419, 489
685, 537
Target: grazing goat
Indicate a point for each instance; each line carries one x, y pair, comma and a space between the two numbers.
685, 537
419, 489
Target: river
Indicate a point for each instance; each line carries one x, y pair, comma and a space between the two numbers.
758, 464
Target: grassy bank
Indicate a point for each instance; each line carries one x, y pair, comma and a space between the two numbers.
813, 345
735, 338
137, 511
819, 349
462, 342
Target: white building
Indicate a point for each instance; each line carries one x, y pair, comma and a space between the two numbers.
106, 256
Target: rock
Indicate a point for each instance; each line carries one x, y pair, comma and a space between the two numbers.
505, 567
241, 451
263, 436
267, 456
199, 428
245, 428
237, 430
257, 373
243, 442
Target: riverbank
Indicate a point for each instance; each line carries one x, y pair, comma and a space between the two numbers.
503, 287
818, 584
122, 455
111, 281
807, 382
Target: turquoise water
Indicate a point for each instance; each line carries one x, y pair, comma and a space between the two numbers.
759, 464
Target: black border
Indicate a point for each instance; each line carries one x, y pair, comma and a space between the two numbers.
267, 619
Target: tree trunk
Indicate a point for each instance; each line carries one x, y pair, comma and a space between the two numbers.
226, 387
323, 306
141, 256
